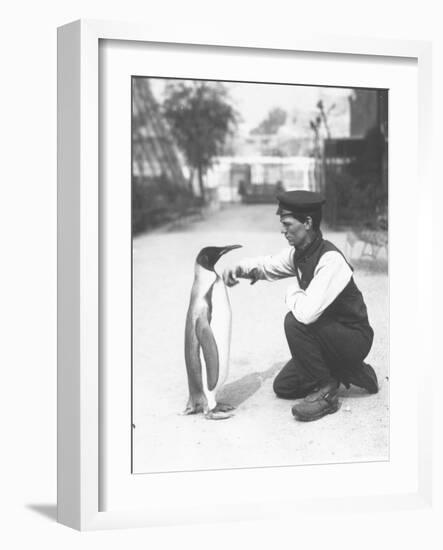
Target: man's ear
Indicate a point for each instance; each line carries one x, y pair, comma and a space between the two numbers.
308, 222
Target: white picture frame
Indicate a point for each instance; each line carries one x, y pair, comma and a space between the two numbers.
79, 292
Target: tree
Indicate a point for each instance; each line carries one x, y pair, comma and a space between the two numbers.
270, 125
200, 117
321, 118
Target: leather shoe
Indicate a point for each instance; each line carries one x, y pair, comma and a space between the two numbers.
318, 404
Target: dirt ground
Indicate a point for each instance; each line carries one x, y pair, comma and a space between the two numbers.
263, 431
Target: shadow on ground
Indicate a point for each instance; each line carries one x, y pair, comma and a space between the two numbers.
242, 389
353, 392
48, 511
239, 391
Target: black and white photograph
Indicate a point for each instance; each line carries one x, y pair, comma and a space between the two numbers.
260, 307
221, 283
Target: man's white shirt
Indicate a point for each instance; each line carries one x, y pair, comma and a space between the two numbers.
331, 275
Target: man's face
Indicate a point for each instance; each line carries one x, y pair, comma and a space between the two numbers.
294, 231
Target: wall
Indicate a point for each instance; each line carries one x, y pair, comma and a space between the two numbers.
28, 274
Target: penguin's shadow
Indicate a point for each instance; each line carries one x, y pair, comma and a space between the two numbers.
242, 389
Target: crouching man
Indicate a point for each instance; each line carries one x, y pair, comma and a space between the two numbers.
327, 326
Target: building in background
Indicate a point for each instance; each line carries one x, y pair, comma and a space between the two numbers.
253, 179
356, 168
154, 153
159, 187
368, 109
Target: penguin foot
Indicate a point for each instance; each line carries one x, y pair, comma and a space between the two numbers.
195, 405
217, 415
220, 412
188, 411
192, 409
223, 407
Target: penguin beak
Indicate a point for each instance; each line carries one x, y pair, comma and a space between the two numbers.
226, 249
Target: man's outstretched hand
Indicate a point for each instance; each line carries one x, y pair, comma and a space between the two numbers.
231, 276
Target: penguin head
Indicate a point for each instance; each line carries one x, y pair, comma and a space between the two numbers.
209, 256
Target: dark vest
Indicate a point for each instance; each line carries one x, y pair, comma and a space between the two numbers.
349, 307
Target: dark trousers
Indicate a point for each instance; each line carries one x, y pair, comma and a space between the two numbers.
322, 352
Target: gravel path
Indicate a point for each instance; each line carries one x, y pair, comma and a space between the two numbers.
263, 431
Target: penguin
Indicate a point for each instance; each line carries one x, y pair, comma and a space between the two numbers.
208, 336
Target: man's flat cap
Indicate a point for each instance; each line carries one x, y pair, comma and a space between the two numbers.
299, 202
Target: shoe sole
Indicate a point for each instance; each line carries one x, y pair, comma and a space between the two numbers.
302, 418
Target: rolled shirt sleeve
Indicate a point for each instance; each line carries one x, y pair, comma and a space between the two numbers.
269, 268
331, 275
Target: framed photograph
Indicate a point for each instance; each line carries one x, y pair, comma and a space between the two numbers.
241, 276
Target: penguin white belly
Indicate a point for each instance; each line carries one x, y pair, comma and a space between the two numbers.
221, 329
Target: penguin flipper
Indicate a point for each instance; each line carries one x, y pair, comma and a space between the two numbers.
223, 407
210, 351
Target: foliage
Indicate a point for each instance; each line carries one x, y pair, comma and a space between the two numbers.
270, 125
156, 201
200, 117
358, 184
321, 119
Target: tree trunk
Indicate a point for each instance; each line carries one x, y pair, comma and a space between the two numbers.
191, 181
201, 183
